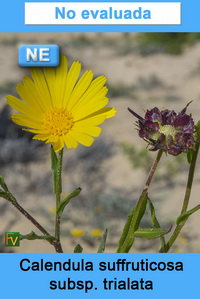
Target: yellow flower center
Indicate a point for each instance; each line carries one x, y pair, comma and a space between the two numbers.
58, 121
168, 130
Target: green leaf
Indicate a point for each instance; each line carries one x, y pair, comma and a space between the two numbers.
125, 230
63, 203
103, 242
189, 155
3, 194
139, 212
132, 225
3, 184
150, 233
154, 220
34, 236
183, 217
54, 168
78, 249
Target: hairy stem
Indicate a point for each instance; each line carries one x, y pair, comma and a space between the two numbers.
58, 196
133, 220
186, 200
14, 202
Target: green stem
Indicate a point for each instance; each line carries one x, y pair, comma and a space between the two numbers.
58, 197
14, 202
186, 200
133, 220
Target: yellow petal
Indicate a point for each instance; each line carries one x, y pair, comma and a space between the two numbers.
58, 145
83, 138
72, 77
22, 120
70, 142
29, 94
22, 108
80, 88
97, 118
95, 92
41, 137
42, 87
90, 108
17, 104
61, 81
42, 132
91, 121
50, 78
107, 112
92, 131
52, 139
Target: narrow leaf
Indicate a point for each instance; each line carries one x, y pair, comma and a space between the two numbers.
103, 242
154, 221
34, 236
132, 225
183, 217
139, 212
78, 249
3, 194
63, 203
3, 184
125, 231
150, 233
54, 168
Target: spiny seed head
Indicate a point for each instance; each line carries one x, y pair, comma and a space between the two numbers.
167, 130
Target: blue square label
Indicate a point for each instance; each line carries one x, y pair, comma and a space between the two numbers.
38, 55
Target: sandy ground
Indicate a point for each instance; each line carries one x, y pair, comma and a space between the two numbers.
175, 82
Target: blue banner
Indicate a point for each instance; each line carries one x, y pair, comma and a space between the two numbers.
108, 275
144, 16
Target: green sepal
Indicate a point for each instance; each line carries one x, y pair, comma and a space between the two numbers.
103, 242
64, 202
3, 184
54, 168
78, 249
189, 155
197, 138
150, 233
197, 127
183, 217
34, 236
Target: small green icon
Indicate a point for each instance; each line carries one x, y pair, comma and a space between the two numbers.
12, 239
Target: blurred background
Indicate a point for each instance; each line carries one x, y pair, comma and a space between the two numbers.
144, 70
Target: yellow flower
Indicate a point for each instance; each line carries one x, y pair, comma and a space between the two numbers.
59, 108
178, 250
53, 210
182, 240
96, 233
77, 233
